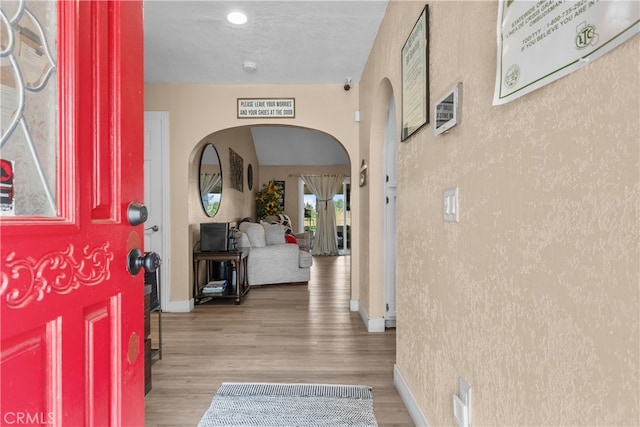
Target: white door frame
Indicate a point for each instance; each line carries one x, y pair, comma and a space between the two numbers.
156, 129
301, 206
389, 220
345, 238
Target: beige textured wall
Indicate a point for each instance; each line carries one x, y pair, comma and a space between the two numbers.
197, 111
533, 297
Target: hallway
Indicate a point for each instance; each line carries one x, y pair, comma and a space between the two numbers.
281, 333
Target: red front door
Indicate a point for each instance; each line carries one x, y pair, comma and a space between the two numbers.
71, 349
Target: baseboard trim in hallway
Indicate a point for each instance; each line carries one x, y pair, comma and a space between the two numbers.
179, 306
373, 325
407, 398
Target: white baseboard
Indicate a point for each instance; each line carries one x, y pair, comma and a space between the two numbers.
179, 306
407, 398
354, 305
376, 325
373, 325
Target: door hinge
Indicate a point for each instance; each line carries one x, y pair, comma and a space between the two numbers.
387, 307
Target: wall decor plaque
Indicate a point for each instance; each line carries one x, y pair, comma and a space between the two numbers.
540, 42
269, 108
415, 77
237, 170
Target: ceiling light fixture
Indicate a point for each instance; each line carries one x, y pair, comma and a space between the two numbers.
249, 66
237, 18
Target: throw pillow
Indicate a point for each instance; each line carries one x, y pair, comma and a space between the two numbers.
274, 233
286, 221
290, 239
280, 219
255, 233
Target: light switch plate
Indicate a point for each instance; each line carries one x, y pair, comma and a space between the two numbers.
465, 396
460, 412
451, 207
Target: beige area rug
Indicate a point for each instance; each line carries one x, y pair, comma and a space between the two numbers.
290, 405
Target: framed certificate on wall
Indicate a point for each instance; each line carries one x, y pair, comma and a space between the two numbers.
415, 77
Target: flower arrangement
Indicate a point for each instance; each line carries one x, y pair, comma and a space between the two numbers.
268, 200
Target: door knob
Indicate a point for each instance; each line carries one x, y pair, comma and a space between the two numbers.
149, 261
153, 228
137, 213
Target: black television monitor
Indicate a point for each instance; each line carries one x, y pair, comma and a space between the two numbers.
214, 237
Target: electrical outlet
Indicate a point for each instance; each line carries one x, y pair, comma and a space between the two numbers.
465, 396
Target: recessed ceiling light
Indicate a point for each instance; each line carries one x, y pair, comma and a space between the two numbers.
249, 66
237, 18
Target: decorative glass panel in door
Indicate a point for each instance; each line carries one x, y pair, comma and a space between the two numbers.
28, 89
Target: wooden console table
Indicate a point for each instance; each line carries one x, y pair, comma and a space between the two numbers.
235, 290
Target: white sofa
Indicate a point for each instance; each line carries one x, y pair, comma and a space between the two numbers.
271, 260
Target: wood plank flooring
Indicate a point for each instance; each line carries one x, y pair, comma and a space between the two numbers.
281, 333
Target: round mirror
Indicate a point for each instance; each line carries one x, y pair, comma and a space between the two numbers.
210, 180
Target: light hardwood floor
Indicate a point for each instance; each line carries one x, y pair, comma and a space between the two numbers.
281, 333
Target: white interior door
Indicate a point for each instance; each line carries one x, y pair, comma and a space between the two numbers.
390, 188
156, 233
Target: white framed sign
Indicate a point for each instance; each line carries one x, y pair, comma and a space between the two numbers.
542, 41
260, 108
447, 111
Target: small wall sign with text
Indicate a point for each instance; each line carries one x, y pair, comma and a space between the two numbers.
271, 108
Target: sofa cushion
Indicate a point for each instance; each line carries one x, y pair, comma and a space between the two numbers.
274, 233
242, 240
305, 259
255, 233
276, 264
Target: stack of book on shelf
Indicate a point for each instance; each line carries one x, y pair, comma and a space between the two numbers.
214, 287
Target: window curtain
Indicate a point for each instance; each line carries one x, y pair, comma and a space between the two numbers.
208, 182
325, 241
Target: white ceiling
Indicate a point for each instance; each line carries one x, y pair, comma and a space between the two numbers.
293, 41
302, 147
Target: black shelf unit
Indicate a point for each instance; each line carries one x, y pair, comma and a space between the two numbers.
151, 305
235, 264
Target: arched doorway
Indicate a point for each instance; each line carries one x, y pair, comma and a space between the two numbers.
389, 220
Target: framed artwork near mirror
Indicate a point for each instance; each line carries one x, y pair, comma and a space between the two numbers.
250, 177
236, 170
